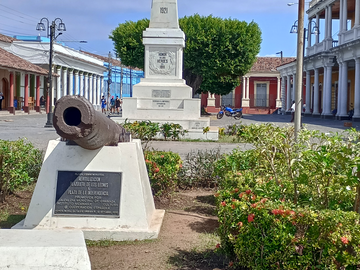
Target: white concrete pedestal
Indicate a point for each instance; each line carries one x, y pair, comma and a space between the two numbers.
43, 250
138, 218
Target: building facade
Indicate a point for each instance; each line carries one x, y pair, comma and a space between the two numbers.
331, 75
258, 92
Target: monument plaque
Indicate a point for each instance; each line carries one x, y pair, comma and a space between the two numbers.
161, 104
161, 93
88, 193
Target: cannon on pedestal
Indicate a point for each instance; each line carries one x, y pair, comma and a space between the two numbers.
75, 119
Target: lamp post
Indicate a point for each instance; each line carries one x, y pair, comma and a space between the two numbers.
51, 33
298, 27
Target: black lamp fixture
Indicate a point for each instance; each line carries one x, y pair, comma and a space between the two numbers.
313, 31
56, 25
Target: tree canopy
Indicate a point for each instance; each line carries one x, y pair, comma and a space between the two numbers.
217, 50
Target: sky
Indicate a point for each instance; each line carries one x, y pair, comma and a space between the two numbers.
94, 20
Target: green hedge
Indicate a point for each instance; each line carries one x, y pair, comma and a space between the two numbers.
20, 165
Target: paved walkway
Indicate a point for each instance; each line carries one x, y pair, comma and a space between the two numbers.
32, 127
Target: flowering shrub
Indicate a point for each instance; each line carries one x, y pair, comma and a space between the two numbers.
260, 233
163, 168
290, 204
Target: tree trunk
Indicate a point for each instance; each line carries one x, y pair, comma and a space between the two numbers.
192, 80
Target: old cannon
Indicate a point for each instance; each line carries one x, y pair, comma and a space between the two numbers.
75, 119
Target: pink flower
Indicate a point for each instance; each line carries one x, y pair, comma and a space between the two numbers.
162, 156
156, 170
344, 240
223, 203
251, 218
240, 224
233, 206
217, 245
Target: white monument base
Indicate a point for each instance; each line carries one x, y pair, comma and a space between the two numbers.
43, 250
88, 205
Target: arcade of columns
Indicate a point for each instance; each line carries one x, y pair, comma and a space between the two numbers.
75, 82
313, 65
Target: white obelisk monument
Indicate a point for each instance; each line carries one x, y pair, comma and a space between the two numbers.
162, 96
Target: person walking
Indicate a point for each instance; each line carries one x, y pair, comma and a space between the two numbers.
117, 104
103, 104
112, 105
1, 99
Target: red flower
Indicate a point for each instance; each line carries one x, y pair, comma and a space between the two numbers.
162, 156
251, 218
156, 170
240, 224
344, 240
147, 161
253, 197
239, 173
236, 190
254, 205
241, 194
270, 178
248, 191
217, 245
233, 206
223, 203
231, 264
263, 200
233, 200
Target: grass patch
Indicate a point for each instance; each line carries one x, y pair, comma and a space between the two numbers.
109, 242
7, 220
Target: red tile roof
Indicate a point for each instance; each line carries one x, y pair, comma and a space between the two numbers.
9, 60
6, 38
269, 64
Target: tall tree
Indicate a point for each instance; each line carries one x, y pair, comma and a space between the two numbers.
217, 50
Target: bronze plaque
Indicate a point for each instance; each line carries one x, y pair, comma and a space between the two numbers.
88, 194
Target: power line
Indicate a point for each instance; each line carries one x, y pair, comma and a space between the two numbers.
18, 12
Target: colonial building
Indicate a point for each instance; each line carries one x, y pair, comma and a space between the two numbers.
21, 82
259, 89
75, 73
332, 62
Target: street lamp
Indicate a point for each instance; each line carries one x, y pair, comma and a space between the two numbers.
281, 55
56, 25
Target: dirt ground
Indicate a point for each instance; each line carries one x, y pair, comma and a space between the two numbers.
187, 238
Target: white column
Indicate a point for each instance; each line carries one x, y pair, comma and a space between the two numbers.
329, 28
245, 100
345, 15
71, 82
326, 32
309, 34
338, 108
64, 82
316, 92
58, 83
86, 85
357, 90
247, 88
91, 88
76, 88
327, 91
283, 95
278, 93
98, 91
308, 93
81, 84
293, 88
288, 95
357, 13
343, 91
94, 89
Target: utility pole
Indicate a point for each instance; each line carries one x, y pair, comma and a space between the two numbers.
299, 68
121, 81
130, 83
109, 81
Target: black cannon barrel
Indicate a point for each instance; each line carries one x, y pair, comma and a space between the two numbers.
76, 119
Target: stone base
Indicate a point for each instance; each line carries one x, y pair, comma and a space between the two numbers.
316, 115
137, 217
307, 114
43, 250
356, 119
11, 110
342, 117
